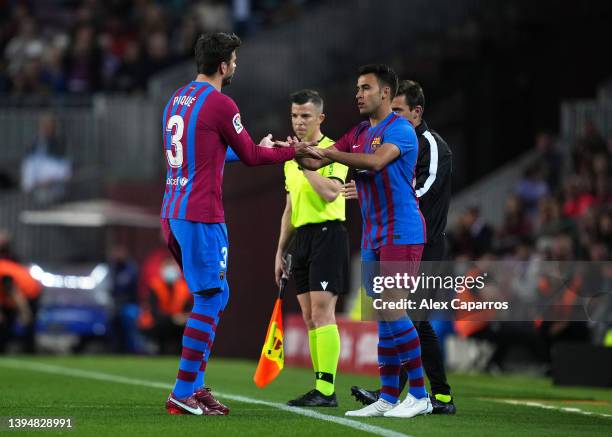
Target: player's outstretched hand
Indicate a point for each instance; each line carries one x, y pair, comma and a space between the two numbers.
267, 141
291, 141
349, 190
306, 149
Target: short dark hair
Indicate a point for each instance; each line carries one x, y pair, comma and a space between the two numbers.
302, 97
412, 92
384, 74
211, 49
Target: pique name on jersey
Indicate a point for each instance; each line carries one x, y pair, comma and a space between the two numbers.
183, 100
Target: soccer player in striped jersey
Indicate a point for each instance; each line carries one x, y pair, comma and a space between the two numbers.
198, 123
384, 149
433, 189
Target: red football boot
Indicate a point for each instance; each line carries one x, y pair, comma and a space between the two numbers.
189, 405
207, 401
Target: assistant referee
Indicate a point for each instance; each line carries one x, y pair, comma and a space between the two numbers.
312, 230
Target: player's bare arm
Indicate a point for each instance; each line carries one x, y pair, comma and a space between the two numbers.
364, 161
286, 235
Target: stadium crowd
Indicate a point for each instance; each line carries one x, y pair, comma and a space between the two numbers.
85, 46
562, 215
560, 210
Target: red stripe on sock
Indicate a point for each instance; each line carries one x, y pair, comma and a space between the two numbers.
389, 370
205, 319
412, 364
417, 382
391, 391
196, 334
203, 366
186, 376
401, 334
408, 346
387, 351
191, 354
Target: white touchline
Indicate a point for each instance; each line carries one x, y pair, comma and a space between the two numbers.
549, 407
69, 371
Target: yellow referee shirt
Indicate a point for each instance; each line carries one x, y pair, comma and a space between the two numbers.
306, 205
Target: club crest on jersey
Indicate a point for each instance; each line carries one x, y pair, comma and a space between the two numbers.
237, 123
375, 143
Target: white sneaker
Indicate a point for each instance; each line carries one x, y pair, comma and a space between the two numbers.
411, 407
378, 408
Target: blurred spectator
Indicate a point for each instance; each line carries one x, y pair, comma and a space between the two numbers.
550, 221
131, 71
590, 143
603, 190
124, 291
473, 236
603, 230
213, 16
578, 199
157, 55
52, 74
24, 46
515, 226
550, 159
166, 308
531, 188
19, 296
45, 170
83, 61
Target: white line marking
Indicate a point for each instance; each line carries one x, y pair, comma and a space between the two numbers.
548, 407
67, 371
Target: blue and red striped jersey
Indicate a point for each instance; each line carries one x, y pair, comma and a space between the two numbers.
388, 202
198, 124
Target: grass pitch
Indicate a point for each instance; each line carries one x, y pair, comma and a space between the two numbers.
120, 396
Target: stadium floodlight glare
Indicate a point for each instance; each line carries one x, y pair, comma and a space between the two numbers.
48, 279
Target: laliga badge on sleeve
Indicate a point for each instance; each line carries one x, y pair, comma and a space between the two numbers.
237, 123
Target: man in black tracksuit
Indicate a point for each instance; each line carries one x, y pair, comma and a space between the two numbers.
433, 189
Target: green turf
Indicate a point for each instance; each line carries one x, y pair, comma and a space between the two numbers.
115, 409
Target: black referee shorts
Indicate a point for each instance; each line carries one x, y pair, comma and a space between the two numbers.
320, 258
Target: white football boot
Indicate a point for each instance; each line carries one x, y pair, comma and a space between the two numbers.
377, 409
411, 407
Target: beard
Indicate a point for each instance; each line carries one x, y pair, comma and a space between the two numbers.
227, 80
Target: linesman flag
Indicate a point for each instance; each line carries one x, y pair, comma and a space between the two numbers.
272, 358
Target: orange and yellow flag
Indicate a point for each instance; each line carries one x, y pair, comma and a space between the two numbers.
272, 357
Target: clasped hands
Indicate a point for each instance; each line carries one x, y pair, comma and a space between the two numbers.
303, 149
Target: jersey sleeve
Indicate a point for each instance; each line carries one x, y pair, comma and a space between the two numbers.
402, 135
434, 167
228, 122
345, 141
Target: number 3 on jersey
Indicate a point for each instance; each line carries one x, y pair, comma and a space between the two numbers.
175, 160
